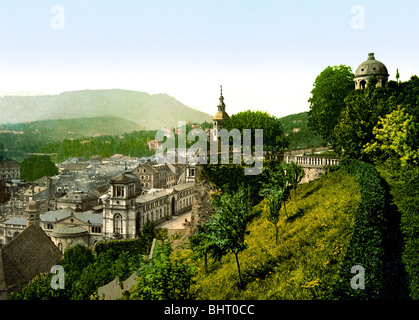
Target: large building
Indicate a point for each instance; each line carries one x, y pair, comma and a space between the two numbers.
9, 169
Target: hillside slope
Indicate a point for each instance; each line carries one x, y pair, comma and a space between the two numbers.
299, 135
59, 129
150, 111
305, 263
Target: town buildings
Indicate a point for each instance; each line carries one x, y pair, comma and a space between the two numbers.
9, 169
86, 206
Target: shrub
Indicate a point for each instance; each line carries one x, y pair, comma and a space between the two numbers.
369, 241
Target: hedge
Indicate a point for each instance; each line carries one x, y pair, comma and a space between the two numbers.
366, 247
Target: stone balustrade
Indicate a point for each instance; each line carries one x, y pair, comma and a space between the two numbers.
312, 162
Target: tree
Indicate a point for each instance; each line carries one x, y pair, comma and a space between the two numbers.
274, 206
163, 277
229, 222
275, 190
331, 87
362, 110
273, 133
202, 245
38, 289
35, 167
294, 174
394, 136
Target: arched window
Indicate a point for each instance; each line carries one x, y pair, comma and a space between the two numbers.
117, 223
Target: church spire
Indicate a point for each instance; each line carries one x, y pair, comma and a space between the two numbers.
221, 106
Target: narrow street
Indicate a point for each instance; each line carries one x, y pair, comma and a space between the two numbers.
177, 222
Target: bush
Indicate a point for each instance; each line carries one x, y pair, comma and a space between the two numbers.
371, 238
404, 183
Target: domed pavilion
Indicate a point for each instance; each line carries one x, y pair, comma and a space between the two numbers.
369, 68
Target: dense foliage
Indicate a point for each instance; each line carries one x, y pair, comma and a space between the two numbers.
273, 133
331, 86
374, 243
298, 133
404, 189
130, 144
164, 277
34, 167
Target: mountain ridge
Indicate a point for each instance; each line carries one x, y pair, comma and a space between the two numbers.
151, 111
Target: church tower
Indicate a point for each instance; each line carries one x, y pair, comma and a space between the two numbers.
119, 213
220, 116
32, 213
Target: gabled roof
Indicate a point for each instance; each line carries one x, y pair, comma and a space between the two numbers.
183, 186
149, 169
9, 164
77, 196
76, 166
125, 178
152, 196
30, 253
86, 217
15, 221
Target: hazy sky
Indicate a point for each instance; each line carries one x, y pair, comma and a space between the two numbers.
266, 54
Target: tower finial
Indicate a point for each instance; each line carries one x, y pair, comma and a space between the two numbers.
221, 90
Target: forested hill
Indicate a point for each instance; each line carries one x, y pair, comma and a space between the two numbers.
299, 134
152, 112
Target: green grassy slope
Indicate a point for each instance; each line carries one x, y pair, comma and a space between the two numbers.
305, 262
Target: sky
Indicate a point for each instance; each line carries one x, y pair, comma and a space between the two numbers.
265, 53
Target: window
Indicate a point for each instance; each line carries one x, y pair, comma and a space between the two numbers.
191, 172
117, 223
96, 229
48, 226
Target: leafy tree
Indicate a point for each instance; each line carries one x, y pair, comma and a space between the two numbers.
331, 87
294, 174
163, 277
273, 133
274, 205
276, 183
275, 190
35, 167
362, 110
201, 244
229, 221
38, 289
394, 137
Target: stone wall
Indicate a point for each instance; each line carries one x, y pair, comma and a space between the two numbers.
201, 207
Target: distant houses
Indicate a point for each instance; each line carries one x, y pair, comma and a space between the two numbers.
9, 169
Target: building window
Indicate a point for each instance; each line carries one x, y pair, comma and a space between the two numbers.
48, 226
96, 229
117, 223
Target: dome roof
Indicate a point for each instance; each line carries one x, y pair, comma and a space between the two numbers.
371, 67
69, 231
